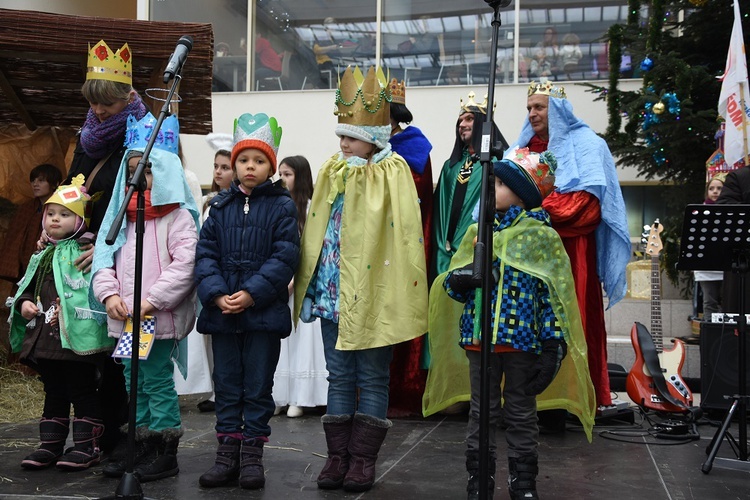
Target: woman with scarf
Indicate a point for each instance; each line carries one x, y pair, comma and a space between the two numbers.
98, 154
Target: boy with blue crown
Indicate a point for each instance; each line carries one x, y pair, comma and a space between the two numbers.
171, 222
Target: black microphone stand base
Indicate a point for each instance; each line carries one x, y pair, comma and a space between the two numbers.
129, 487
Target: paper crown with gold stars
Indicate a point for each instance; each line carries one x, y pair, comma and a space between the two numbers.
73, 196
398, 92
363, 101
546, 88
472, 106
104, 64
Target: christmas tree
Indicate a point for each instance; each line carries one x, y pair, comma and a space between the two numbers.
666, 129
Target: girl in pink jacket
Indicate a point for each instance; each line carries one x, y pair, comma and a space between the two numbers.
170, 237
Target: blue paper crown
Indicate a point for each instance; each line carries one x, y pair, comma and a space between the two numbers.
139, 132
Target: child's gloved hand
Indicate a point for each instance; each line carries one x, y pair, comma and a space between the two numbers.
547, 366
460, 279
306, 313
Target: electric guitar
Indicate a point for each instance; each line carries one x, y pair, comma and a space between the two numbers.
667, 393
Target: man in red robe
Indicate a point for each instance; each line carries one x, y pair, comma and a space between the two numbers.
588, 212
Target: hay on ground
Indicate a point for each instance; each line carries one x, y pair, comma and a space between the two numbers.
21, 396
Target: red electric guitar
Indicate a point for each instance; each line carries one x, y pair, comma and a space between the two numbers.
667, 391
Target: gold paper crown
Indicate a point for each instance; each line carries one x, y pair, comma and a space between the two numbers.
398, 92
363, 101
546, 88
73, 196
471, 105
103, 64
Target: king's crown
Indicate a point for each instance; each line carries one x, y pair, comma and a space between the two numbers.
363, 101
546, 88
103, 64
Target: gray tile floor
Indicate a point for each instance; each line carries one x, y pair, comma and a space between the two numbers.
421, 458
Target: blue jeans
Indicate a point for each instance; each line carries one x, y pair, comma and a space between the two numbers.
244, 364
367, 370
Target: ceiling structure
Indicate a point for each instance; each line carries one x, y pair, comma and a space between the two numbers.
43, 66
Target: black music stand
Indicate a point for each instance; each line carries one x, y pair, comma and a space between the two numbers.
717, 238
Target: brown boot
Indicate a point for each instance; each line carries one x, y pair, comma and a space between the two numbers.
338, 429
368, 434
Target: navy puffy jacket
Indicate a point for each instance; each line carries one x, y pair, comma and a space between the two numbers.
257, 252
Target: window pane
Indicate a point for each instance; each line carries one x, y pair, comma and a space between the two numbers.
566, 43
229, 20
324, 37
444, 42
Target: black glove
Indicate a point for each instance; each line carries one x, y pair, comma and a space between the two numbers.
547, 366
460, 279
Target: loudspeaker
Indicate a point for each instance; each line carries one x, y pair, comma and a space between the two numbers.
719, 364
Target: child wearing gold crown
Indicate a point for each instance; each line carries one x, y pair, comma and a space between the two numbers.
55, 334
246, 257
171, 219
362, 271
535, 320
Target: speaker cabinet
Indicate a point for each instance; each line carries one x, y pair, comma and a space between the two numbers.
719, 364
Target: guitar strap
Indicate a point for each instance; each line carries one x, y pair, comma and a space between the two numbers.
651, 359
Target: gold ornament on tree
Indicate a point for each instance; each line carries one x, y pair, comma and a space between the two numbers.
699, 3
659, 108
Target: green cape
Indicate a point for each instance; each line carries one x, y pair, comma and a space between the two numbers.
79, 329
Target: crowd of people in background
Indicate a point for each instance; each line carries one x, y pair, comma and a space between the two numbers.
273, 293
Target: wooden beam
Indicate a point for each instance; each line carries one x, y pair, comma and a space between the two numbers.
7, 89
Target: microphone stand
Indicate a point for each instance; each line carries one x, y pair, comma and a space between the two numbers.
482, 271
130, 487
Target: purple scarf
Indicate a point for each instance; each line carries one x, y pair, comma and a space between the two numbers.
99, 138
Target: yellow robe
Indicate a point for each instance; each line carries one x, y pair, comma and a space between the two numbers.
383, 278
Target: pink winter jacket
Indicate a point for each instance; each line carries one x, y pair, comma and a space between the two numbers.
168, 264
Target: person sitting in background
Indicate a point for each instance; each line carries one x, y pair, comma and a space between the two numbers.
540, 66
267, 60
570, 54
18, 246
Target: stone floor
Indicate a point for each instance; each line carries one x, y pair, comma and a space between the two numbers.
421, 458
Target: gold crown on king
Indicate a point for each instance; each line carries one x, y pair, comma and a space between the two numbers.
104, 64
398, 92
546, 88
73, 196
363, 101
472, 106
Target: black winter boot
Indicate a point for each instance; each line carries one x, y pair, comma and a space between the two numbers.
52, 433
227, 466
164, 464
522, 472
252, 475
472, 467
144, 451
368, 434
338, 429
85, 452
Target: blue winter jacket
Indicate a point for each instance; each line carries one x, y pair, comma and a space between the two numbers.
248, 243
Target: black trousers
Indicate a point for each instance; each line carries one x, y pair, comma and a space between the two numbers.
66, 383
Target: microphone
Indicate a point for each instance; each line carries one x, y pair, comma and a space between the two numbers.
177, 59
